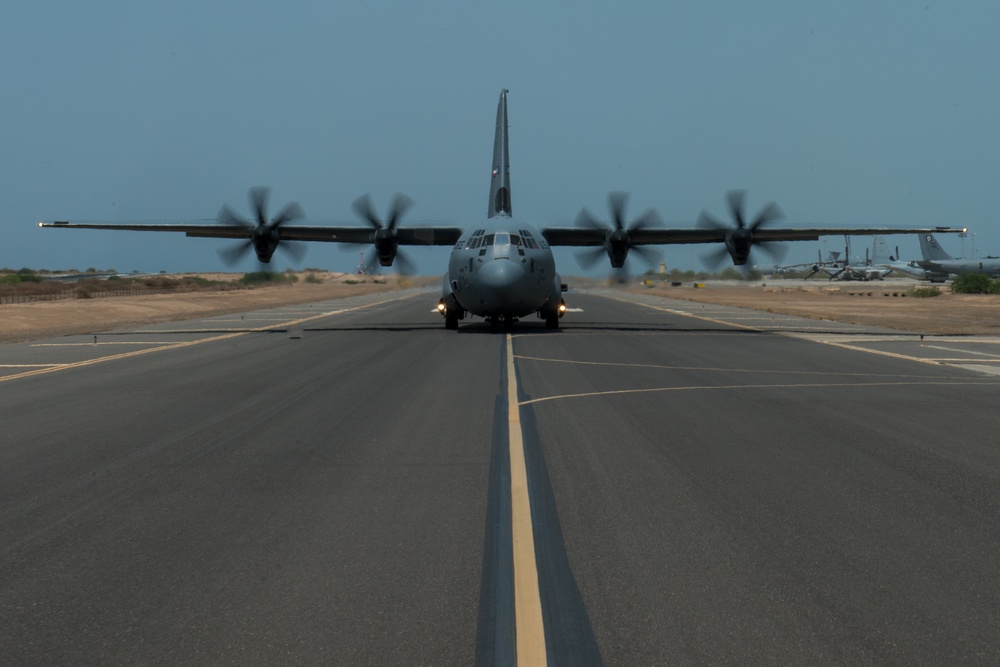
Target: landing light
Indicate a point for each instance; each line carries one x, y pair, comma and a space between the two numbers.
562, 307
441, 307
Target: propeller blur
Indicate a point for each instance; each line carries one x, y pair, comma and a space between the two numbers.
502, 268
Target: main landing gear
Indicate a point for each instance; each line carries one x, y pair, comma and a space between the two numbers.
551, 317
451, 315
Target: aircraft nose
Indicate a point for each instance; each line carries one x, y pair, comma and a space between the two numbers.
500, 283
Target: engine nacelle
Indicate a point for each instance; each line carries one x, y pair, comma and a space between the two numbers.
738, 243
617, 245
265, 242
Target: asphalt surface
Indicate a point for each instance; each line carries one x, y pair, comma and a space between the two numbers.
331, 484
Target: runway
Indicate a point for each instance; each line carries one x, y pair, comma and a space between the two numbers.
340, 483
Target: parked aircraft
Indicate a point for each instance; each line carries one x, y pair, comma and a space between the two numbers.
939, 265
868, 270
832, 260
888, 261
501, 268
879, 264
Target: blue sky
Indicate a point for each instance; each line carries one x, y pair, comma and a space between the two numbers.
848, 113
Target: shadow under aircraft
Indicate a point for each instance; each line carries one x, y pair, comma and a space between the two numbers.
501, 268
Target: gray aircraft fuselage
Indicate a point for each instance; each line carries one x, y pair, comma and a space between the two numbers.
939, 265
503, 269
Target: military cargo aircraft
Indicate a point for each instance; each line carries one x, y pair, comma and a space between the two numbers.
940, 266
501, 268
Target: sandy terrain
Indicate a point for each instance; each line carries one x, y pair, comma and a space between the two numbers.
862, 303
884, 305
75, 316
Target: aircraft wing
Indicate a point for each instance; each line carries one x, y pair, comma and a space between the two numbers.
813, 234
587, 236
416, 235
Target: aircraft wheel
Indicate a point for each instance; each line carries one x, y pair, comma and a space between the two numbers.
552, 321
451, 320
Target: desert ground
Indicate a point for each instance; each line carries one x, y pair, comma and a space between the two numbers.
45, 319
885, 304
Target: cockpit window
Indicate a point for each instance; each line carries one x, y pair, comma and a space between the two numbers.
477, 240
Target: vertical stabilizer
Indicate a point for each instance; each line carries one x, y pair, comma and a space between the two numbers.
881, 254
931, 249
500, 180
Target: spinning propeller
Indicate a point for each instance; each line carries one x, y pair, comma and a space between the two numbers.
617, 235
386, 237
264, 236
739, 236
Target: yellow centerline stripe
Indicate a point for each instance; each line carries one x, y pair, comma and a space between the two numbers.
174, 346
528, 623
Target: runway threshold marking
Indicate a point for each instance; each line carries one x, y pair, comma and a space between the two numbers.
528, 623
174, 346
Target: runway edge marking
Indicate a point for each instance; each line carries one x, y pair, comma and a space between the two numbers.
174, 346
815, 339
675, 311
528, 623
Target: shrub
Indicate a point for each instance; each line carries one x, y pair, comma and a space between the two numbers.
265, 277
973, 283
925, 292
22, 276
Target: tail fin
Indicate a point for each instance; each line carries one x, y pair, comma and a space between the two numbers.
881, 253
931, 249
500, 182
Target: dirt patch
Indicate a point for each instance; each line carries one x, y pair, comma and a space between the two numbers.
83, 316
883, 306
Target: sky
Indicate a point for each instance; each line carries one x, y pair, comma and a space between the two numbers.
846, 114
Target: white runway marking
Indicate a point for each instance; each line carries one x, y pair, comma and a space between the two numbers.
41, 370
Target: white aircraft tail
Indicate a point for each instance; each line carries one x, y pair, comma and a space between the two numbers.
882, 253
